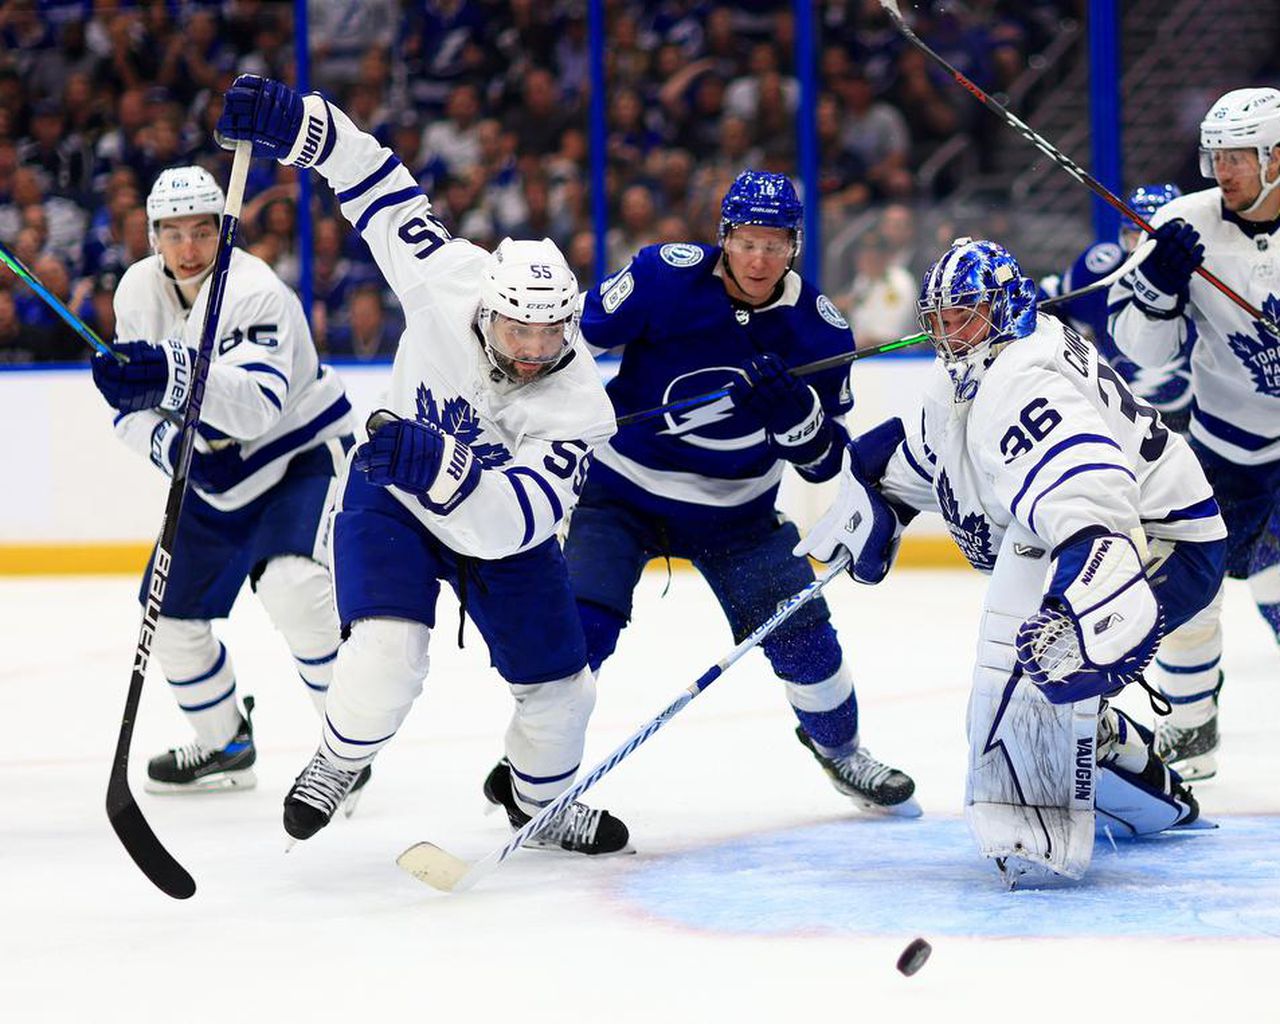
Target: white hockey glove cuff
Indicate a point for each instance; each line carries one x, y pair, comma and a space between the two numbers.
163, 447
181, 365
1152, 299
315, 136
1099, 623
859, 521
456, 477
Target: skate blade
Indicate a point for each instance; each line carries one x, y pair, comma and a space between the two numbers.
1020, 874
352, 801
436, 867
907, 809
1196, 769
218, 782
550, 847
1200, 824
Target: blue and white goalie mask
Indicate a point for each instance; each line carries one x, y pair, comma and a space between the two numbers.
973, 301
529, 312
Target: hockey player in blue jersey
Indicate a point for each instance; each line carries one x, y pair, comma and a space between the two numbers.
275, 426
702, 484
1234, 228
1166, 387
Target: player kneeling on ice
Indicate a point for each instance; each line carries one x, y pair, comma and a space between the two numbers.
1099, 531
274, 430
496, 407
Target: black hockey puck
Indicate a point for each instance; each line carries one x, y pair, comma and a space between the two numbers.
914, 956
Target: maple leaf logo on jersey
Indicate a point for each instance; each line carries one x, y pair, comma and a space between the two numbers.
460, 420
972, 532
1261, 354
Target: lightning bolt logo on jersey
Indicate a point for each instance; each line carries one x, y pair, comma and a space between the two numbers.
681, 335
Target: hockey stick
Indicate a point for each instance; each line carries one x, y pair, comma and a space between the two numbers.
805, 370
122, 809
442, 870
1064, 161
1137, 256
10, 259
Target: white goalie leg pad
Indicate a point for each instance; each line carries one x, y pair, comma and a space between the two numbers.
1030, 785
200, 677
377, 677
546, 736
298, 597
1187, 665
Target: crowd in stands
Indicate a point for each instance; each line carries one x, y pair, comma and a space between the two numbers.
486, 101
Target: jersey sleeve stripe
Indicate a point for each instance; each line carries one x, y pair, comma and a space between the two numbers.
526, 510
557, 510
390, 199
361, 187
1229, 432
1088, 467
265, 368
271, 396
286, 443
1064, 445
1206, 509
911, 461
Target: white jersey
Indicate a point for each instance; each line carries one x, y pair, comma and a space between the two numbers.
1055, 441
1235, 364
534, 440
266, 390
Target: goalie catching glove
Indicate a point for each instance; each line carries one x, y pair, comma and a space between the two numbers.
1098, 625
860, 520
418, 458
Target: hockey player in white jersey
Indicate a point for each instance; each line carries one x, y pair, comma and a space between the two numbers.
1099, 531
1234, 228
495, 408
274, 428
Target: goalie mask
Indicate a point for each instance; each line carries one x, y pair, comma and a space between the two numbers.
1243, 119
973, 301
528, 315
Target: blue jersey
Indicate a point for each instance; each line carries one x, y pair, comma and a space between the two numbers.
682, 335
1168, 387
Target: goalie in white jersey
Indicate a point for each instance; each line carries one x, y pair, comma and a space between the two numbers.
1099, 531
495, 407
274, 428
1235, 382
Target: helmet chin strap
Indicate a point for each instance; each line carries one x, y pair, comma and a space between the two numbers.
1267, 187
194, 279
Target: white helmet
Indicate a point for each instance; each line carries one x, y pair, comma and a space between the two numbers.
531, 283
183, 192
1243, 119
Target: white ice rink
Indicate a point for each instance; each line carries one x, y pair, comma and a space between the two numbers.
757, 894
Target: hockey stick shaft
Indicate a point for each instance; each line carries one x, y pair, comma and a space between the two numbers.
27, 277
805, 370
1061, 159
126, 818
1137, 256
430, 864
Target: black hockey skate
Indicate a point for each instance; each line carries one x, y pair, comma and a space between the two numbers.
317, 793
577, 829
871, 785
197, 769
1192, 749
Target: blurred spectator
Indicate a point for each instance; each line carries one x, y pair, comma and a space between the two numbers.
841, 174
635, 229
62, 219
539, 120
630, 139
61, 157
581, 256
341, 33
877, 133
370, 333
897, 226
742, 98
52, 339
453, 140
881, 305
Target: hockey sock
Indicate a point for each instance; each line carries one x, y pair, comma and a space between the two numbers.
200, 677
1186, 667
297, 595
827, 711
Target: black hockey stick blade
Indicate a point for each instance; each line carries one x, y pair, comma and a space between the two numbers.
136, 836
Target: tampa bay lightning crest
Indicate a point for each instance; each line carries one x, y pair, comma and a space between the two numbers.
972, 532
712, 426
1260, 352
460, 420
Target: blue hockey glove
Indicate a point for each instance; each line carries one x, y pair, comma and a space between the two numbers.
155, 376
1161, 280
788, 409
218, 470
416, 457
270, 114
1099, 623
860, 521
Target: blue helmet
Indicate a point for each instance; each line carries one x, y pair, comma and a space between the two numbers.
968, 275
1146, 199
759, 197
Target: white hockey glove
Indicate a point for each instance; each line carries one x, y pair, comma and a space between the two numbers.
1098, 625
859, 521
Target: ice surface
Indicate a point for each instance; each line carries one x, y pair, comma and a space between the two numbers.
758, 893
